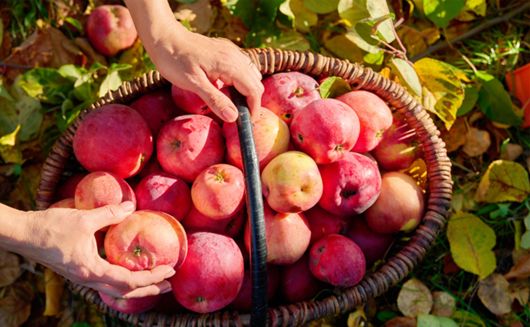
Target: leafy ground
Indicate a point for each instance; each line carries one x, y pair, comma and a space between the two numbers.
452, 55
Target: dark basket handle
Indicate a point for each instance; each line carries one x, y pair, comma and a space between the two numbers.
254, 199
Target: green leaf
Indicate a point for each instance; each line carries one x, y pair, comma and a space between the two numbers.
495, 102
407, 75
440, 12
441, 79
29, 115
344, 47
361, 35
113, 79
470, 100
477, 6
525, 240
467, 319
333, 87
355, 11
321, 7
374, 59
75, 23
243, 9
45, 84
471, 242
503, 181
301, 17
426, 320
527, 221
289, 40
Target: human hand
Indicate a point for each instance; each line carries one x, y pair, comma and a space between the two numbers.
63, 240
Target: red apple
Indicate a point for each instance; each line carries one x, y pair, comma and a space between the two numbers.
156, 108
110, 29
197, 222
399, 207
151, 167
163, 192
99, 189
374, 115
271, 137
286, 93
297, 283
211, 275
132, 305
398, 148
243, 300
291, 182
191, 102
146, 239
287, 236
337, 260
325, 129
189, 144
113, 138
322, 223
374, 245
67, 188
351, 184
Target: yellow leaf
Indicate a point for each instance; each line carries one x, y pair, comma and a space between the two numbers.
302, 17
495, 295
503, 181
54, 289
343, 47
414, 298
441, 79
8, 150
471, 242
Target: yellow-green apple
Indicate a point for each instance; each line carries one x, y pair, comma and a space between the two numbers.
291, 182
100, 188
191, 102
219, 190
197, 222
113, 138
286, 93
297, 283
322, 223
351, 184
399, 206
271, 137
156, 108
188, 144
374, 245
131, 305
212, 274
243, 300
110, 29
325, 129
146, 239
337, 260
374, 115
164, 192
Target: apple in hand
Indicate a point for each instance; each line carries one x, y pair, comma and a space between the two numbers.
399, 206
351, 184
286, 93
374, 115
100, 188
271, 137
325, 129
110, 29
291, 182
156, 108
188, 144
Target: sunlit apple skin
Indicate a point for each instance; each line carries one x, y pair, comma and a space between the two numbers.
156, 108
100, 188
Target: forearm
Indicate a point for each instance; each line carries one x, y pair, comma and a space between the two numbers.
14, 227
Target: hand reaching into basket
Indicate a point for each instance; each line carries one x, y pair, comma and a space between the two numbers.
63, 240
191, 61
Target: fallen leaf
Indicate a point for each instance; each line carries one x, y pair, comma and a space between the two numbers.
200, 15
521, 269
425, 320
511, 151
456, 137
92, 55
53, 289
15, 306
401, 322
471, 242
23, 196
467, 319
414, 298
494, 100
444, 304
8, 150
357, 318
477, 142
495, 295
520, 291
9, 268
503, 181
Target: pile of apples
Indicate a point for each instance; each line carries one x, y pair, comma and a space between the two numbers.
333, 185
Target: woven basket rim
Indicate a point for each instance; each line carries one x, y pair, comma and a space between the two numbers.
390, 273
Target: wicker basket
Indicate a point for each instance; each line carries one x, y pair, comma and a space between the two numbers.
270, 61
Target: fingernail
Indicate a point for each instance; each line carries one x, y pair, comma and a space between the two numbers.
127, 206
229, 115
168, 272
166, 287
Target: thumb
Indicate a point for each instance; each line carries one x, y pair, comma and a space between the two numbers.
110, 215
217, 101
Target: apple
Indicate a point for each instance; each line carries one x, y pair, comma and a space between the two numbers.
163, 192
286, 93
399, 206
197, 222
374, 115
351, 184
146, 239
191, 102
243, 301
337, 260
287, 236
374, 245
151, 167
156, 108
100, 188
322, 223
110, 29
132, 305
67, 188
291, 182
398, 148
297, 283
188, 144
325, 129
271, 137
113, 138
212, 274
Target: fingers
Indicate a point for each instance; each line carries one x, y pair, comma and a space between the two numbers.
252, 92
109, 215
218, 102
125, 279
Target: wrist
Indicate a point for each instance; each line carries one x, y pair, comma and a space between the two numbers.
16, 228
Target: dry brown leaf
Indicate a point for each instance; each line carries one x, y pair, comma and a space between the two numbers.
414, 298
520, 291
200, 15
444, 305
15, 306
53, 289
494, 294
456, 137
401, 322
91, 54
511, 151
477, 142
521, 269
9, 268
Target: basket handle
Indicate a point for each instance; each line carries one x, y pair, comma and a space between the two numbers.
254, 199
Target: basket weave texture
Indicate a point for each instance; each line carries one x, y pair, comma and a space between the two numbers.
269, 61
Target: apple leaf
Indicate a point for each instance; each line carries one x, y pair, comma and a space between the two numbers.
301, 17
468, 319
8, 150
495, 102
477, 142
470, 100
53, 289
426, 320
289, 40
495, 295
9, 268
414, 298
471, 242
440, 12
343, 46
503, 181
374, 11
477, 6
15, 306
444, 304
333, 87
521, 268
360, 34
321, 7
441, 79
407, 75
